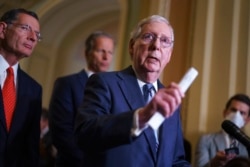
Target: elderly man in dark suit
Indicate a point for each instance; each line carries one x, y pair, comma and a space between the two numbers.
128, 118
21, 96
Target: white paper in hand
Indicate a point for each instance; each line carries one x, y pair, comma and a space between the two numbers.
157, 119
188, 79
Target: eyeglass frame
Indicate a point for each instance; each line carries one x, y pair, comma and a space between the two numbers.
154, 37
27, 28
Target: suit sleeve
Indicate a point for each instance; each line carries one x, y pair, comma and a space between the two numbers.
98, 125
62, 114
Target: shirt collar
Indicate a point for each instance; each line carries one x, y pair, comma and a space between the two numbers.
141, 84
4, 65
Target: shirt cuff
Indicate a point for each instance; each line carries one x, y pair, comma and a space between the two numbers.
136, 131
155, 122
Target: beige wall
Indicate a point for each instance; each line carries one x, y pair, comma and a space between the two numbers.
220, 51
211, 35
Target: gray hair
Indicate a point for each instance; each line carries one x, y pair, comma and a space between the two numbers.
154, 18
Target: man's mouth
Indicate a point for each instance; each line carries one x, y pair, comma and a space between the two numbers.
152, 59
28, 46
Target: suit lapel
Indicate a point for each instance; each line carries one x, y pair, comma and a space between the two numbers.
149, 133
220, 141
82, 77
20, 114
2, 115
17, 116
133, 95
130, 88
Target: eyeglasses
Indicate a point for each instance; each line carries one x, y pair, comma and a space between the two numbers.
147, 38
27, 29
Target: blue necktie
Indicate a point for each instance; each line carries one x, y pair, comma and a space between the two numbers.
148, 93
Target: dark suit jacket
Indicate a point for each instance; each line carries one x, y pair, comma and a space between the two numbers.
104, 122
66, 98
20, 147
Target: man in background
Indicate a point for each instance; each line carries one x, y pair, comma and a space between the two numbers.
210, 150
68, 94
21, 95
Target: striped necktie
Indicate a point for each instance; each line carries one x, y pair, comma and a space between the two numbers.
148, 93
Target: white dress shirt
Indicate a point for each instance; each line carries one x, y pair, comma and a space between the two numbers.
3, 70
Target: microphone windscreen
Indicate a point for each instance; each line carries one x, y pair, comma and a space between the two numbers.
235, 132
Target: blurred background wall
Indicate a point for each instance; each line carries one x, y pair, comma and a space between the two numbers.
211, 35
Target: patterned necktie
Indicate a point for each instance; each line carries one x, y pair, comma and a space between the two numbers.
148, 93
9, 96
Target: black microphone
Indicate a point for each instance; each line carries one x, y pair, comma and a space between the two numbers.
236, 133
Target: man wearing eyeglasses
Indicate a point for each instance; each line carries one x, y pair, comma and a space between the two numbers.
128, 118
21, 96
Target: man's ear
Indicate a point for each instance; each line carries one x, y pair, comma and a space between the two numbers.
224, 113
170, 54
86, 55
131, 47
248, 120
3, 27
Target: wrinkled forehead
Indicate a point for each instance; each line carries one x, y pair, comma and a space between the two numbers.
23, 18
158, 28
